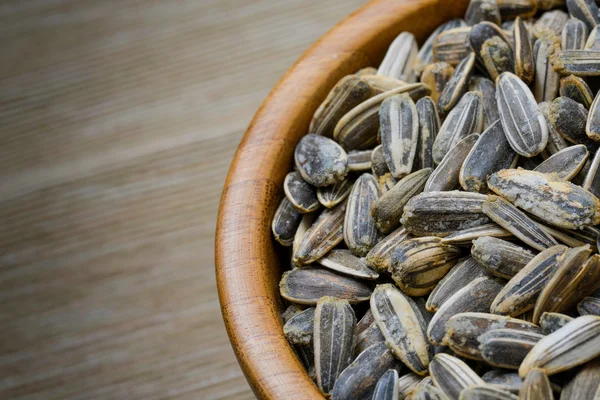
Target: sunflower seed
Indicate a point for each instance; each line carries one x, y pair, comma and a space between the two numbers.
452, 375
378, 164
497, 56
536, 386
437, 76
419, 264
569, 119
484, 31
550, 322
549, 198
524, 61
308, 285
589, 306
464, 119
368, 337
359, 379
387, 386
577, 62
320, 160
366, 71
359, 160
446, 176
592, 127
474, 297
429, 124
360, 232
556, 142
585, 10
442, 213
482, 10
347, 263
402, 325
428, 392
490, 106
427, 381
503, 379
464, 329
574, 344
307, 357
381, 84
334, 322
592, 178
457, 85
407, 383
466, 236
510, 9
285, 222
506, 348
575, 88
550, 23
459, 276
299, 329
593, 41
574, 35
364, 323
302, 195
400, 58
566, 164
585, 384
425, 56
486, 392
387, 210
331, 196
517, 222
324, 234
499, 257
357, 129
451, 45
547, 81
522, 121
399, 133
380, 256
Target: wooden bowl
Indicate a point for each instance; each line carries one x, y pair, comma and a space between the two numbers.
247, 265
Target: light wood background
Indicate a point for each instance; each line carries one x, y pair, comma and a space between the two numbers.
118, 120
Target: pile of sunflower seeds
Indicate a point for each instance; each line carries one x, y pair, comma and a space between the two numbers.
443, 214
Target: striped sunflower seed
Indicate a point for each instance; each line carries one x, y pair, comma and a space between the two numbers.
569, 119
574, 344
547, 81
510, 9
466, 236
507, 348
464, 329
490, 106
517, 222
344, 261
551, 322
334, 322
474, 297
400, 58
566, 164
368, 337
399, 123
437, 76
425, 56
522, 121
285, 222
428, 392
387, 210
427, 381
359, 160
457, 85
555, 140
585, 384
497, 56
550, 23
520, 293
403, 327
323, 235
378, 163
359, 379
429, 125
577, 62
499, 257
589, 306
584, 10
574, 35
591, 182
302, 195
451, 45
549, 198
299, 329
482, 10
486, 392
407, 383
452, 375
524, 60
446, 176
484, 31
577, 89
490, 154
308, 285
592, 127
360, 232
536, 386
380, 256
419, 264
332, 195
593, 42
387, 386
464, 119
443, 213
320, 160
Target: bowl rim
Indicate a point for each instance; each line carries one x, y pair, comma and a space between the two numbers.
246, 262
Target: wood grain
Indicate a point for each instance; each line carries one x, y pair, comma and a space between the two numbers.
118, 122
248, 268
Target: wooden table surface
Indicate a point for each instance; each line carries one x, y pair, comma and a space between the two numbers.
118, 120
